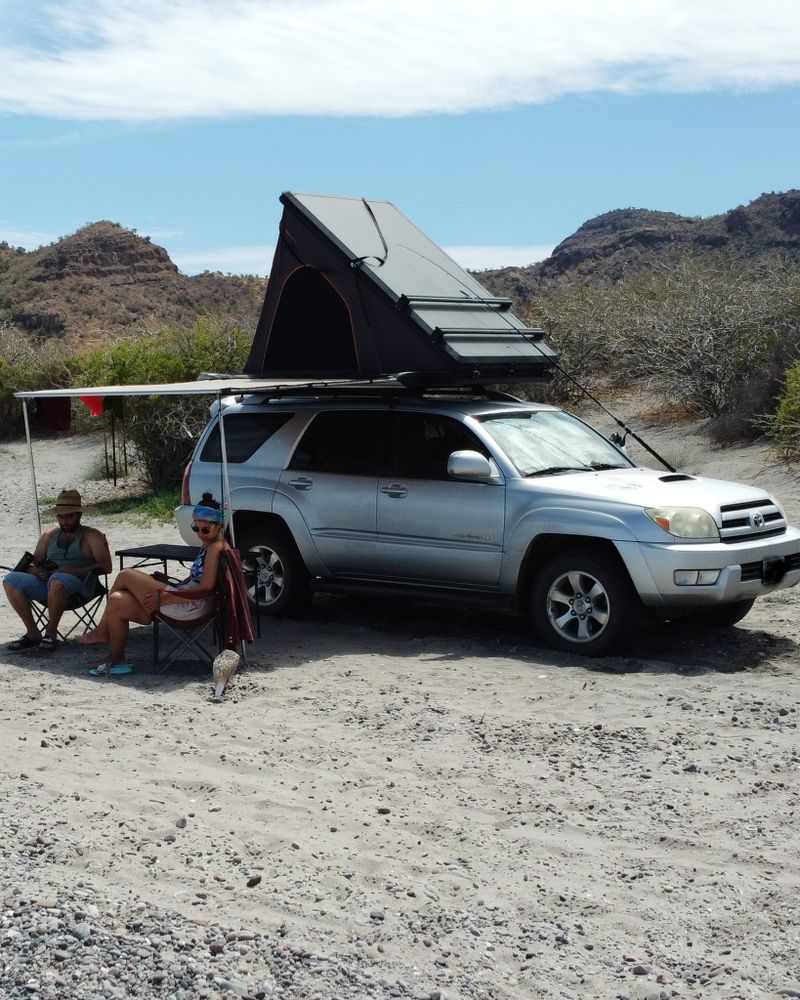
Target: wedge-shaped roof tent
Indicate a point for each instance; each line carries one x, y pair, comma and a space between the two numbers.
356, 290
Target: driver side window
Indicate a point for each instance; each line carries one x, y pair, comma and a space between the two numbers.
423, 442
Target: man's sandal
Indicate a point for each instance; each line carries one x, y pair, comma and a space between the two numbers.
47, 644
24, 643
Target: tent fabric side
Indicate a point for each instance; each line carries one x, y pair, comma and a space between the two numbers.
297, 335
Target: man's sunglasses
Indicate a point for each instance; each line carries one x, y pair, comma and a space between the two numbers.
201, 531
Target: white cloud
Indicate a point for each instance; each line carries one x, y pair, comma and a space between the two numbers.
29, 239
258, 259
146, 59
228, 260
480, 258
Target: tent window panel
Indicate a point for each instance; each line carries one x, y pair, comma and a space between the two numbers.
344, 443
244, 435
312, 330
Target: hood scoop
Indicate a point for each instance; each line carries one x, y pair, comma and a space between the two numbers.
676, 477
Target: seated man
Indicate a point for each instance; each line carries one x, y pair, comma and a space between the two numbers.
66, 562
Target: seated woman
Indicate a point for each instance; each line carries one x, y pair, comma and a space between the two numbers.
135, 595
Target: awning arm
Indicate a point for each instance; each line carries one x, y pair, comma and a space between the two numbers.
225, 472
30, 462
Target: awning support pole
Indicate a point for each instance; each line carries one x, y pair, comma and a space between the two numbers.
113, 447
30, 462
226, 477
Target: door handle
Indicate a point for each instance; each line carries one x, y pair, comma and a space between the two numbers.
395, 490
301, 483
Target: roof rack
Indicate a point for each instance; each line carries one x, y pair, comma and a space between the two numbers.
382, 387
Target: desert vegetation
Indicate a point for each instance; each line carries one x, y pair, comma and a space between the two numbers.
714, 338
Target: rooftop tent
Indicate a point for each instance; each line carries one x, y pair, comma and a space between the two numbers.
357, 290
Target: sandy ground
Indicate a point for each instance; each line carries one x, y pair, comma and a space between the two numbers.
403, 801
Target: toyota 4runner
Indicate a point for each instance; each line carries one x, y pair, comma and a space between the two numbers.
482, 500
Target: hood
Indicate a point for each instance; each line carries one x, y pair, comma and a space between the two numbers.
650, 488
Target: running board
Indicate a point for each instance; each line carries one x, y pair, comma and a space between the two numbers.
326, 585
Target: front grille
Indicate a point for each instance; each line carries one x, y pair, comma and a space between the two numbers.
752, 519
755, 570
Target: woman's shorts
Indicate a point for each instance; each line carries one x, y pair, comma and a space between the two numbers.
187, 610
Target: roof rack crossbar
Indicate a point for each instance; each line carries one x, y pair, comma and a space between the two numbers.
502, 304
476, 333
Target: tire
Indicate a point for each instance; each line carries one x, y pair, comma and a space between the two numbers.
274, 571
583, 602
723, 615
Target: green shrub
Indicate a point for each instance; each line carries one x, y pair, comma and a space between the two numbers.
162, 430
28, 364
785, 424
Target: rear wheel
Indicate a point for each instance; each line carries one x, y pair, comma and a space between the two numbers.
277, 579
724, 615
584, 603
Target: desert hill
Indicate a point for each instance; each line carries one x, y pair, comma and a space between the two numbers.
620, 244
105, 280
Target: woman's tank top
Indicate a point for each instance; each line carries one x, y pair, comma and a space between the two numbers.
196, 572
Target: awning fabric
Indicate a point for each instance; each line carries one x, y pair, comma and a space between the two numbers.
231, 386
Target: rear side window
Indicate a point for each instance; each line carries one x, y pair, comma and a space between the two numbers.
244, 435
346, 443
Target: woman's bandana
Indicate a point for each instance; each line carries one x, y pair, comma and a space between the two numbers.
209, 514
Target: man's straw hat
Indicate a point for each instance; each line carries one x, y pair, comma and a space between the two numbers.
67, 502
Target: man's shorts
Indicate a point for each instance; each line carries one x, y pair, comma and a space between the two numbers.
36, 590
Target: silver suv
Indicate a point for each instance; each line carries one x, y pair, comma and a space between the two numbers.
483, 500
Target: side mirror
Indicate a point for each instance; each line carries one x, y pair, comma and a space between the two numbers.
618, 440
469, 465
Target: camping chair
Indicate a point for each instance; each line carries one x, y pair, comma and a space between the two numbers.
227, 624
83, 609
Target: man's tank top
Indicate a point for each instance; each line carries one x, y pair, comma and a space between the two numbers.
73, 554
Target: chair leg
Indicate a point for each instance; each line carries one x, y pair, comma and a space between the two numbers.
186, 641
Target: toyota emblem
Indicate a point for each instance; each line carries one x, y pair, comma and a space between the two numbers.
758, 520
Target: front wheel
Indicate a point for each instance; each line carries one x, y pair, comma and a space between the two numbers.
277, 579
584, 603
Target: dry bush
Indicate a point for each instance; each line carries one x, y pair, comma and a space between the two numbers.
710, 338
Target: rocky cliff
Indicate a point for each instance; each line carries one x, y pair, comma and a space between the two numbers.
105, 280
623, 243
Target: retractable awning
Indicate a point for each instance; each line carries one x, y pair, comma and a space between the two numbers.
219, 386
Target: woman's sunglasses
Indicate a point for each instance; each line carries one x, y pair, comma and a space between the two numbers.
202, 531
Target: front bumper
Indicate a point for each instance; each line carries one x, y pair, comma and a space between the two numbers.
746, 570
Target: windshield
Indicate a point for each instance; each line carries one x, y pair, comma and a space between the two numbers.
549, 442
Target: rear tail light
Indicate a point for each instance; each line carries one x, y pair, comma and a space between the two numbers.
185, 498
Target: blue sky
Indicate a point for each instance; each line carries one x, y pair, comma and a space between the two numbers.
498, 129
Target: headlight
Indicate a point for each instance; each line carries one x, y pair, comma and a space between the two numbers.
684, 522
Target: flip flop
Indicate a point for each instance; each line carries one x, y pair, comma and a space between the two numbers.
24, 643
47, 644
111, 669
